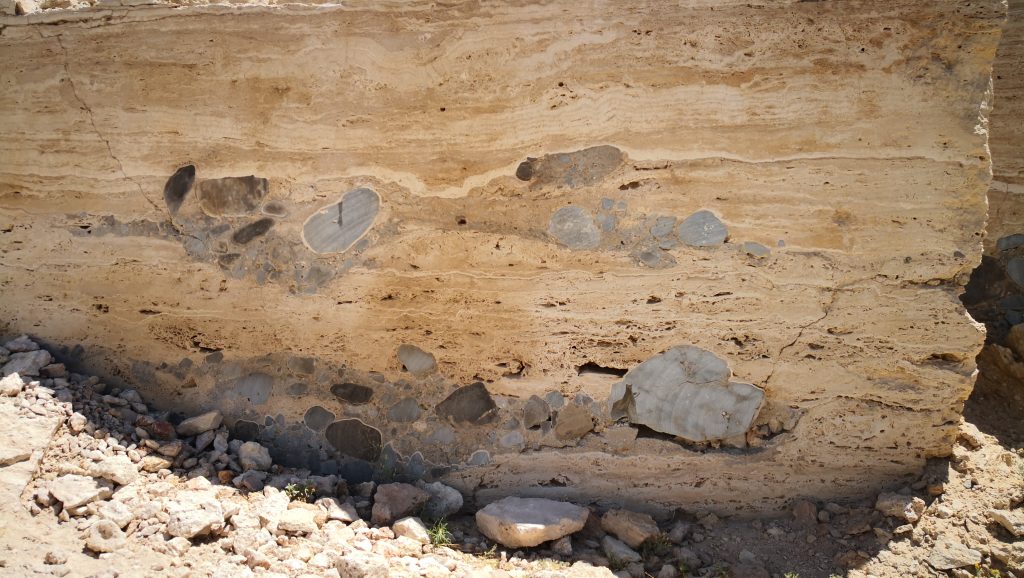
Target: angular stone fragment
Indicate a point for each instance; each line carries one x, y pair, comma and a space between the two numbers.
11, 385
352, 393
686, 392
393, 501
444, 500
756, 249
194, 514
210, 420
618, 551
412, 527
73, 490
527, 522
415, 360
573, 422
574, 227
117, 512
406, 410
231, 196
336, 227
702, 229
901, 506
354, 438
297, 521
471, 404
362, 565
27, 363
118, 469
21, 344
535, 412
178, 187
948, 554
1012, 520
633, 528
253, 456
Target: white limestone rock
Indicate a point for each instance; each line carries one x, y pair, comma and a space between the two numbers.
527, 522
686, 392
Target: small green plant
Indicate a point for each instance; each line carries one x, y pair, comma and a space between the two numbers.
790, 575
614, 564
986, 571
300, 492
439, 533
659, 546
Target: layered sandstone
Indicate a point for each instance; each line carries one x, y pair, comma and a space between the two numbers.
419, 241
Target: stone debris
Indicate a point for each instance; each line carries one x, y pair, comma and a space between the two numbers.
518, 522
193, 491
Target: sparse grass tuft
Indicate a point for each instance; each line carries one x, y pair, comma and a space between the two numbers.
300, 492
439, 533
655, 546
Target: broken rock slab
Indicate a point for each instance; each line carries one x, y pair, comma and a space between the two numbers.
686, 392
948, 554
633, 528
415, 360
73, 490
902, 506
527, 522
1011, 520
201, 423
27, 363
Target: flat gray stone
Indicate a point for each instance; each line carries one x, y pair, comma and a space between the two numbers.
352, 437
1012, 520
415, 360
574, 227
756, 249
201, 423
444, 500
255, 388
407, 410
686, 392
949, 554
318, 418
231, 196
352, 393
21, 344
535, 412
27, 363
663, 227
73, 490
618, 551
1003, 244
702, 229
336, 227
527, 522
471, 404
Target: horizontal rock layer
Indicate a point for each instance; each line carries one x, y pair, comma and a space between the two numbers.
253, 209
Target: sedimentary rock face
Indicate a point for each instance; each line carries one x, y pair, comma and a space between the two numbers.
793, 191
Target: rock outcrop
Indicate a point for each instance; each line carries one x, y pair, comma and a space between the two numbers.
303, 216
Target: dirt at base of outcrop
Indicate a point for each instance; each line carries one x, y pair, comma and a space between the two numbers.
119, 491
